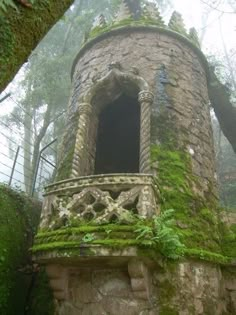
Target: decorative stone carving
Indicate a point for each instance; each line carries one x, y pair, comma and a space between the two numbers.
176, 23
104, 91
84, 109
145, 99
102, 21
105, 208
115, 65
145, 96
99, 198
151, 11
123, 12
193, 35
81, 142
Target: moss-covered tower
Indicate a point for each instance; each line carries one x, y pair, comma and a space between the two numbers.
138, 142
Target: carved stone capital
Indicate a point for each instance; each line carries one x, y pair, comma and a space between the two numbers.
145, 97
115, 65
84, 108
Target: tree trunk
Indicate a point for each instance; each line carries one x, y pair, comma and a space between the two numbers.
224, 109
27, 145
228, 61
21, 31
38, 140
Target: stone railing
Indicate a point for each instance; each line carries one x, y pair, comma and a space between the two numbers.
101, 198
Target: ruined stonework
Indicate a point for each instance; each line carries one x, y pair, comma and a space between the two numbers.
138, 142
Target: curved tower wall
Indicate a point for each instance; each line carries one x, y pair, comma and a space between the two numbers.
176, 74
104, 268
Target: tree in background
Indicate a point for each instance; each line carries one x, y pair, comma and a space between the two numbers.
47, 84
46, 81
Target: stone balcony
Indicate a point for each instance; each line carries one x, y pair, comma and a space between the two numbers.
101, 199
91, 218
87, 223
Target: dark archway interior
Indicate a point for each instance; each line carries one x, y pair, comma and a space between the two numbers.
118, 137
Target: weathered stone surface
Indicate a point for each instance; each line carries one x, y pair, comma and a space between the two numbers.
112, 283
190, 287
143, 63
58, 207
97, 292
177, 78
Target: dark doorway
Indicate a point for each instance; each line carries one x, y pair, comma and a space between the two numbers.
118, 137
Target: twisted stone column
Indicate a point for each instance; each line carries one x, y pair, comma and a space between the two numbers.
145, 99
81, 142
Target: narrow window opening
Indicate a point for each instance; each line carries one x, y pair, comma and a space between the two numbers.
118, 137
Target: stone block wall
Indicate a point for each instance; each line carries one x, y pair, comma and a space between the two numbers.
189, 287
176, 74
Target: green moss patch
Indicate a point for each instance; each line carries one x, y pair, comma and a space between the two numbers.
228, 239
126, 22
21, 31
64, 171
18, 220
196, 217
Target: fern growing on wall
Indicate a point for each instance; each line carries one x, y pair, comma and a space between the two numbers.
162, 235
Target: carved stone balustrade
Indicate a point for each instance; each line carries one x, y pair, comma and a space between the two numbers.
99, 198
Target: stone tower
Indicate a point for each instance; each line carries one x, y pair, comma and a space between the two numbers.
138, 142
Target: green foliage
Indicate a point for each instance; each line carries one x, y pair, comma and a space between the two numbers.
206, 255
154, 238
228, 239
156, 233
162, 235
4, 4
7, 3
18, 219
87, 238
7, 39
196, 217
166, 310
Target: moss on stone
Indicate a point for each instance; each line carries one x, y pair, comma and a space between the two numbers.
64, 171
86, 228
207, 255
116, 236
18, 220
114, 243
21, 31
228, 239
142, 21
96, 31
196, 218
167, 310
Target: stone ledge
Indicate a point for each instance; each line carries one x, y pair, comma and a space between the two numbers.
94, 256
99, 180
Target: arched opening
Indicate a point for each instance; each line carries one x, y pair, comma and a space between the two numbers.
118, 137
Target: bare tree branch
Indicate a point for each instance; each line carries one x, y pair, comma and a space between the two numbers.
216, 8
